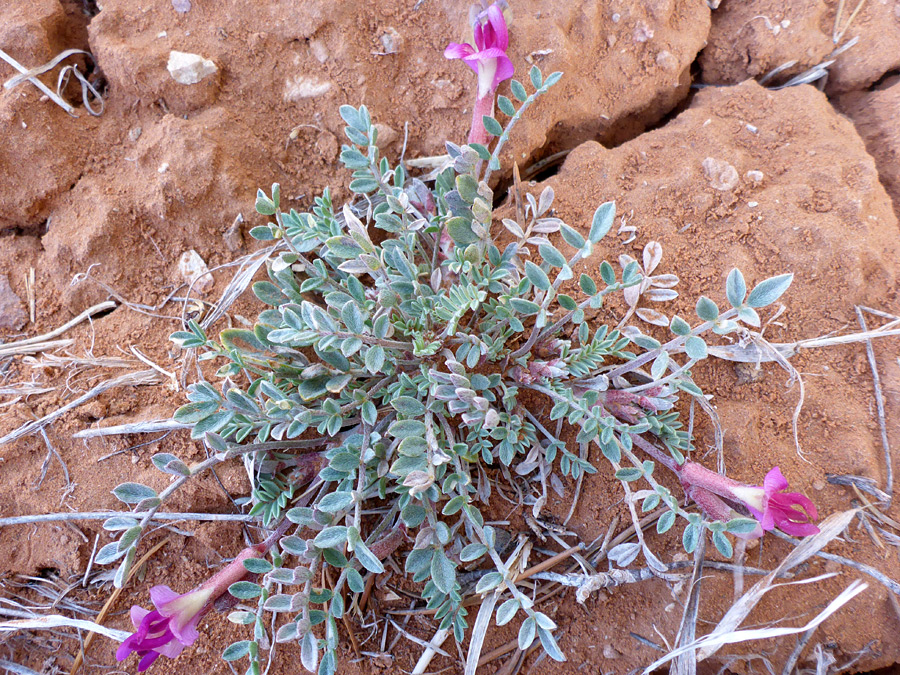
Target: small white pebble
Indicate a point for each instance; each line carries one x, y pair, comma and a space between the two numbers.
163, 167
785, 23
752, 129
616, 17
161, 35
642, 32
755, 176
752, 205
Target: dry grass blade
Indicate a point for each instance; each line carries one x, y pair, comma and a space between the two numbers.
881, 578
775, 71
754, 352
432, 647
247, 268
726, 631
103, 515
838, 31
479, 630
58, 621
96, 309
143, 377
16, 668
16, 80
24, 389
37, 83
34, 347
829, 529
29, 293
148, 427
859, 482
711, 643
879, 403
686, 663
110, 601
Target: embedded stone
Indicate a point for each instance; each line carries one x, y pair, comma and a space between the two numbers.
186, 68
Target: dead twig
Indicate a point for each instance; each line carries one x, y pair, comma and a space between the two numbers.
686, 663
37, 83
103, 515
148, 427
879, 399
140, 378
96, 309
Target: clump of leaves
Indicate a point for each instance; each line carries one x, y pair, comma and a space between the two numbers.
388, 372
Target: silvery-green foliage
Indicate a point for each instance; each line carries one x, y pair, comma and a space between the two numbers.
399, 335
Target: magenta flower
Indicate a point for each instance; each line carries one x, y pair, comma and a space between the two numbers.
489, 61
172, 626
488, 58
790, 512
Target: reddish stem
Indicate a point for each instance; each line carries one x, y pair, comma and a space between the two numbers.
483, 106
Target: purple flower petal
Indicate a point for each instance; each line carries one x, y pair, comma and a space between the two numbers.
488, 57
775, 481
499, 32
799, 529
186, 634
458, 51
138, 614
505, 70
489, 53
480, 42
147, 661
162, 595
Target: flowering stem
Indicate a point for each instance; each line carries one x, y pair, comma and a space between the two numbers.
655, 452
483, 107
268, 542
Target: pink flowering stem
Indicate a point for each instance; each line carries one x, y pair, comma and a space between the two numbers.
790, 512
172, 625
489, 61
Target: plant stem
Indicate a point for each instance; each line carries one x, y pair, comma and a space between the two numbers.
647, 357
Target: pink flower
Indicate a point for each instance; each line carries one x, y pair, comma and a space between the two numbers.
172, 626
488, 58
489, 61
790, 512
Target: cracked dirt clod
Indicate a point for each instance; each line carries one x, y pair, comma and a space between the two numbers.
821, 213
875, 115
749, 38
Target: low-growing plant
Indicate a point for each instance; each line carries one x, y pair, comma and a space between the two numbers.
379, 399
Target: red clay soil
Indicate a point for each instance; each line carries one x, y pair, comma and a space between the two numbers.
168, 167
